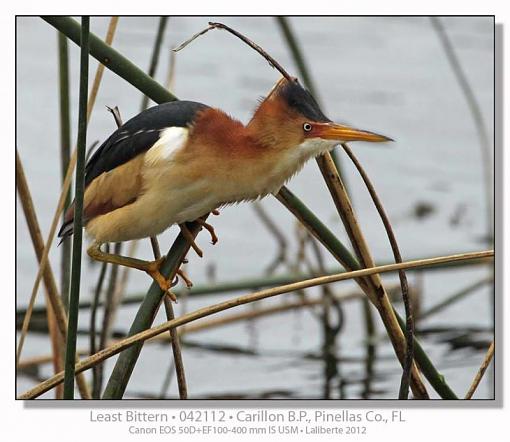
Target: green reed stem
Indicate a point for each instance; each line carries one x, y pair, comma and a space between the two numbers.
155, 55
74, 296
144, 317
65, 155
113, 60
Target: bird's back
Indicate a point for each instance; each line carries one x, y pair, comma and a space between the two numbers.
133, 138
138, 135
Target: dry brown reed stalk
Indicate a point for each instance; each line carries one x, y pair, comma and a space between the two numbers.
174, 337
110, 304
44, 255
266, 311
110, 33
248, 284
65, 186
48, 277
121, 288
229, 319
272, 62
170, 78
109, 309
169, 309
53, 295
213, 323
177, 352
222, 321
373, 285
409, 333
241, 300
481, 371
96, 372
116, 291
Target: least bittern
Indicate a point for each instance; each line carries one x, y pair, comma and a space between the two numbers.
179, 161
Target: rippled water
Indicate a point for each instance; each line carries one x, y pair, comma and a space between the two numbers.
388, 75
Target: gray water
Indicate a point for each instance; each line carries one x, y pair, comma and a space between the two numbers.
388, 75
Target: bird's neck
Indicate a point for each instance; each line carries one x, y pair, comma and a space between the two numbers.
265, 130
267, 127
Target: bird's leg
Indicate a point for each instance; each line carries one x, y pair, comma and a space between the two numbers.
164, 284
189, 237
150, 267
185, 278
94, 251
209, 228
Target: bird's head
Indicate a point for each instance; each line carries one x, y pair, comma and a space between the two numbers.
290, 118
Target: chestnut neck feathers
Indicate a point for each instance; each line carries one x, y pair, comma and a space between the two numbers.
277, 123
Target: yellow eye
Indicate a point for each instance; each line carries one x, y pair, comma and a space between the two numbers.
307, 127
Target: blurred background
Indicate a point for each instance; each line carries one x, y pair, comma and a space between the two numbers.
389, 75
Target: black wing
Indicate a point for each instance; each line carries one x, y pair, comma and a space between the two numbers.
131, 139
139, 134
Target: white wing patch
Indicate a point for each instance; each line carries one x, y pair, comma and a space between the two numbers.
169, 142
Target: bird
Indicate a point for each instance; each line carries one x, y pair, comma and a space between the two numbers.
178, 161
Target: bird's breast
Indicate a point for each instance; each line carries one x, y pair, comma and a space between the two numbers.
185, 180
244, 178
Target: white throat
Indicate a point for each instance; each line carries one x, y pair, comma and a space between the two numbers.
295, 159
315, 146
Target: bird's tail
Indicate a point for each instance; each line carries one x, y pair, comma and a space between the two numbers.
67, 229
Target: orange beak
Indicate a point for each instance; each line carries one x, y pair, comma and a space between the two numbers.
333, 131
